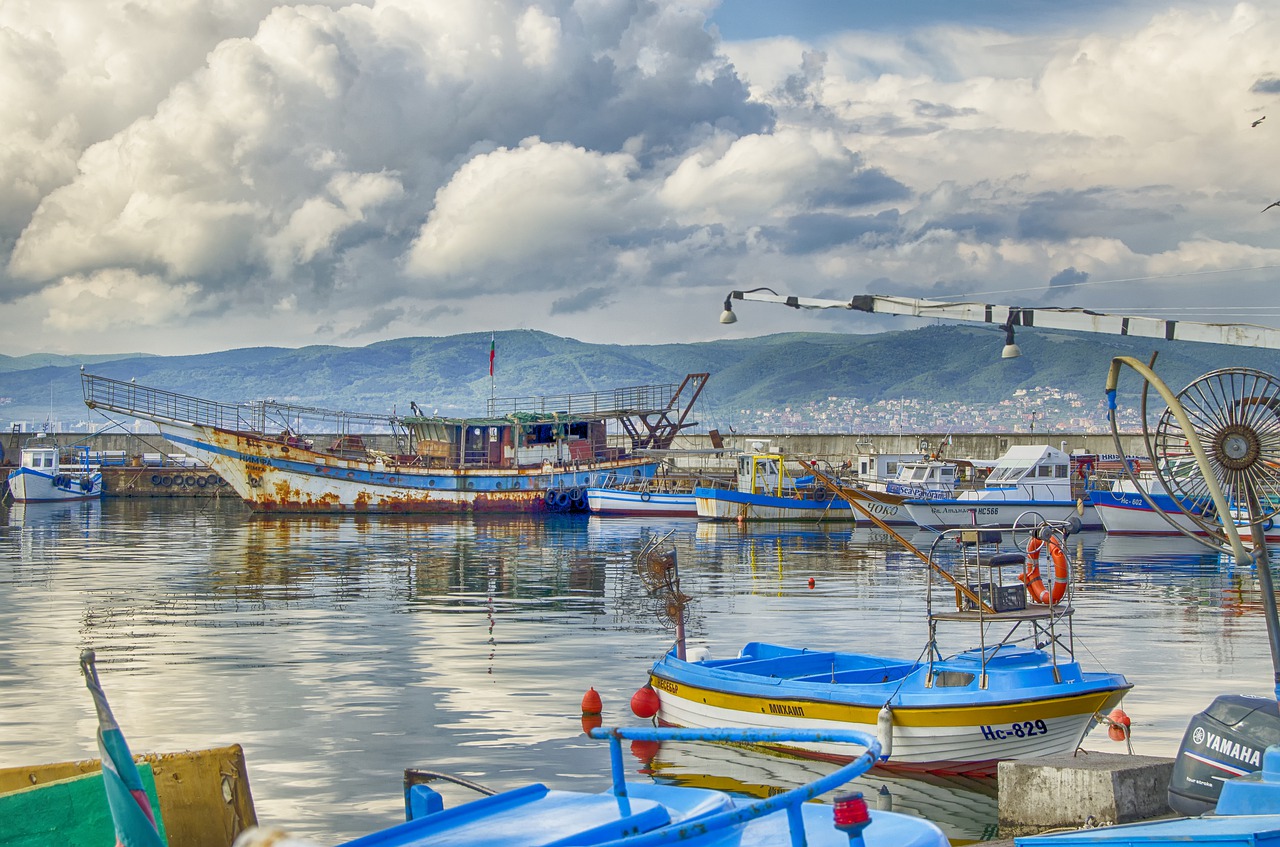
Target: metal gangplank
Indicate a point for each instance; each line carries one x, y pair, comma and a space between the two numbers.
262, 417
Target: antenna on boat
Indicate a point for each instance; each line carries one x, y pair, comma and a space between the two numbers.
1216, 451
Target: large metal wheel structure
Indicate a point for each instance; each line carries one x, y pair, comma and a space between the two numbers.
1235, 413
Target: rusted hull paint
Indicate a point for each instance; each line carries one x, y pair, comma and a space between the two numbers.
273, 476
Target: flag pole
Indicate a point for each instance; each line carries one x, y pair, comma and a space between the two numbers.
131, 813
492, 353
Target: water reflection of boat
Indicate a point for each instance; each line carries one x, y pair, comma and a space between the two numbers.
60, 514
963, 807
1157, 550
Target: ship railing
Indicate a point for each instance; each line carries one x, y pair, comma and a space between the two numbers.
632, 400
261, 416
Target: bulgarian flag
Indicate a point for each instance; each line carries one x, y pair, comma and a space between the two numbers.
492, 353
130, 809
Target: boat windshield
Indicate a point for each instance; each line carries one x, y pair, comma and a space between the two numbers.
1006, 474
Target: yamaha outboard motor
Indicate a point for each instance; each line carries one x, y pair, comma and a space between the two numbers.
1224, 741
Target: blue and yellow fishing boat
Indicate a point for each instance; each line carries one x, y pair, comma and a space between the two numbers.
1018, 695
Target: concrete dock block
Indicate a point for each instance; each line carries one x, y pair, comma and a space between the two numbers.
1087, 788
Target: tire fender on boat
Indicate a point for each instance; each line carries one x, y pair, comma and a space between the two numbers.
884, 729
1031, 576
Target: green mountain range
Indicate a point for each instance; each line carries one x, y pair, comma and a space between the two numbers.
450, 375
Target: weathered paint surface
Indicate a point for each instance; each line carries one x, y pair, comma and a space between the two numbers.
204, 797
72, 810
274, 476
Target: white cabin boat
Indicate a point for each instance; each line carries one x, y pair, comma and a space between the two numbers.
766, 491
49, 473
1027, 478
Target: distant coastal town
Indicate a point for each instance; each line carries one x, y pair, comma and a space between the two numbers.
1040, 409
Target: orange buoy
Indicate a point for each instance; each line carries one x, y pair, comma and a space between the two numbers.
645, 702
590, 722
811, 582
591, 704
1117, 725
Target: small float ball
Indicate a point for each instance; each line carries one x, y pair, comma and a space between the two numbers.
1117, 725
591, 704
645, 703
811, 582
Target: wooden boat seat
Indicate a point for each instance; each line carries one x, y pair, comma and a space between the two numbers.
862, 676
782, 667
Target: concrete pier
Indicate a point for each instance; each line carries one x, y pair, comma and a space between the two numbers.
1087, 789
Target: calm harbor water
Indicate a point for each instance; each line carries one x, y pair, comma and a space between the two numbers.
339, 650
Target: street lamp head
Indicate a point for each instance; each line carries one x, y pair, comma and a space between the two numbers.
1010, 350
727, 316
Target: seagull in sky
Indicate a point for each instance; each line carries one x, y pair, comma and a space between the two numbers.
1277, 203
1258, 121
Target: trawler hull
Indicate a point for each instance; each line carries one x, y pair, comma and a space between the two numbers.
274, 476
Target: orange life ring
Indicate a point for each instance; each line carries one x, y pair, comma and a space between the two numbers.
1031, 576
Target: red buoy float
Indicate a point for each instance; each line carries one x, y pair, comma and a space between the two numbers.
1117, 725
590, 722
811, 582
645, 702
591, 704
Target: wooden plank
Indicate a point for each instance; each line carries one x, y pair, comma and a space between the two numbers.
204, 795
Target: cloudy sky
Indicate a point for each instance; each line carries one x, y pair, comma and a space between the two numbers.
183, 176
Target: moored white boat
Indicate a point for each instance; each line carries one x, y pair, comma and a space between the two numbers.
1122, 510
48, 473
639, 500
902, 478
1027, 478
766, 491
945, 713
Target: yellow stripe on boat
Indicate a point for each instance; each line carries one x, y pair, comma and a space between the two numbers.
975, 715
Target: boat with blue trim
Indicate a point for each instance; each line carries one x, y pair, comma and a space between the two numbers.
529, 454
1019, 695
1125, 509
766, 490
47, 473
1027, 478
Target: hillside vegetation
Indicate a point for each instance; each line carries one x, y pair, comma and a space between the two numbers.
451, 374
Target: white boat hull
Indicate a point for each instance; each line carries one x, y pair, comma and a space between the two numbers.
30, 486
722, 505
956, 514
976, 738
1128, 514
609, 501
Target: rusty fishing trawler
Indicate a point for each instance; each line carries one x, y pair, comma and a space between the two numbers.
525, 455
